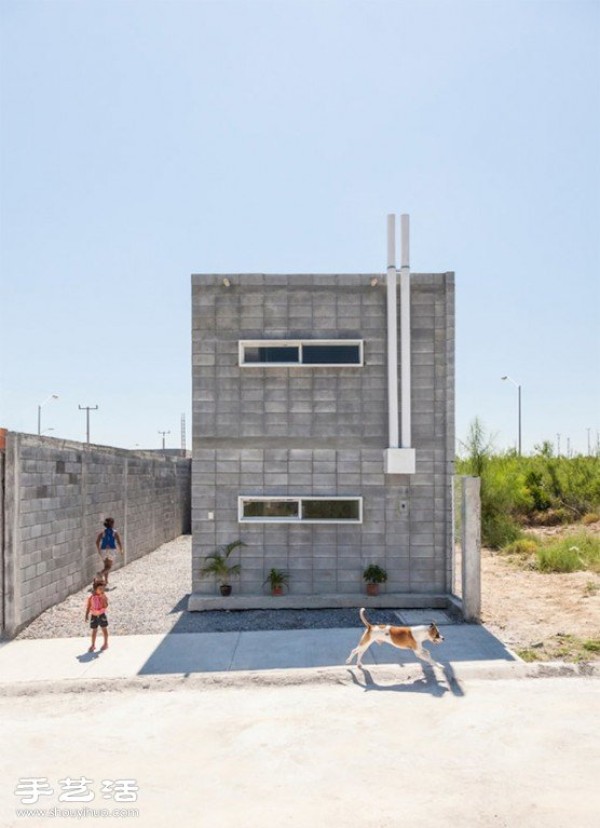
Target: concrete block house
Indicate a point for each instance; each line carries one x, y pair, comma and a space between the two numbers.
323, 433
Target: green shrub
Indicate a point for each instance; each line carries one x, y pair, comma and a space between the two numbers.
537, 489
523, 546
572, 483
570, 554
498, 530
592, 645
558, 559
534, 483
499, 491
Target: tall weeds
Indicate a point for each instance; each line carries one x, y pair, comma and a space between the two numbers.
570, 554
536, 489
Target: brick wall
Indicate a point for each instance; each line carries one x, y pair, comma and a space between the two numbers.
56, 495
321, 431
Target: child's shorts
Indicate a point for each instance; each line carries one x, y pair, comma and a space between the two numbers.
99, 620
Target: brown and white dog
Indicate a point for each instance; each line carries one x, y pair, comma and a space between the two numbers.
410, 638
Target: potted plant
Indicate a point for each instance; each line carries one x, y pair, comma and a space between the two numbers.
277, 580
217, 564
373, 576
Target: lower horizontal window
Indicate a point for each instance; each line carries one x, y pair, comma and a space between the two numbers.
300, 509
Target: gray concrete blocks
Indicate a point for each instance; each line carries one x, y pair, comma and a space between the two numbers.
56, 495
321, 431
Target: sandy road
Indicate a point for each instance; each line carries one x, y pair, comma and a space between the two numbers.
366, 753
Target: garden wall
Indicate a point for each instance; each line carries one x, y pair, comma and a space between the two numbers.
55, 495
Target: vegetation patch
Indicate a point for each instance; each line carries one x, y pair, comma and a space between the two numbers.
524, 547
540, 489
572, 553
562, 647
529, 655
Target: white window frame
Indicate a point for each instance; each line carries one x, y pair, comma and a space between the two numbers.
298, 343
289, 499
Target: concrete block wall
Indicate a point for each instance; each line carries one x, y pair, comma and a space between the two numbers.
56, 495
2, 446
321, 431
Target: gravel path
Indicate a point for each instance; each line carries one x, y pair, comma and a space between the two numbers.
150, 596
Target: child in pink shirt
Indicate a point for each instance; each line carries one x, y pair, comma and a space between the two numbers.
96, 607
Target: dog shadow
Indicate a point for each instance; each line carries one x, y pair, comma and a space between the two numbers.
427, 683
84, 658
453, 682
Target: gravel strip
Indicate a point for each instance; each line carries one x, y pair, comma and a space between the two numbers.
150, 595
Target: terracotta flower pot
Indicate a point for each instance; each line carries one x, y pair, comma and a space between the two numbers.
372, 589
225, 589
277, 590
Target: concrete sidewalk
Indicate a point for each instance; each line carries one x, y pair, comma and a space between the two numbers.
44, 660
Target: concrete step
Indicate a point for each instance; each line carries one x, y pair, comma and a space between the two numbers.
198, 602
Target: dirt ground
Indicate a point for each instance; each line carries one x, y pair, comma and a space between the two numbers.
542, 616
504, 754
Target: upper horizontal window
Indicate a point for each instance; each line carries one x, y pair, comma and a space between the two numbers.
265, 353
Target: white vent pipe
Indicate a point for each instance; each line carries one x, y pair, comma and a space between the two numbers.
392, 333
405, 333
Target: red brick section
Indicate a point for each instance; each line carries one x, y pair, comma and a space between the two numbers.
2, 438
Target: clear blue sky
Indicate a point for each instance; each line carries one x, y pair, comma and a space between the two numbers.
145, 141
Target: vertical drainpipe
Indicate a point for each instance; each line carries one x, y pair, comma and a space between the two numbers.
405, 332
392, 334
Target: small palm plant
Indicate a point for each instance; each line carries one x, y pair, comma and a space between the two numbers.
277, 580
217, 564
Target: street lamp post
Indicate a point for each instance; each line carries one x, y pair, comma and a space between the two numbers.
164, 433
518, 387
51, 397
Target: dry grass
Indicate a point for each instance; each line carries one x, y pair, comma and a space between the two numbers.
542, 616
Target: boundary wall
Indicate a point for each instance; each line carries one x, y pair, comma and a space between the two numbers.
54, 496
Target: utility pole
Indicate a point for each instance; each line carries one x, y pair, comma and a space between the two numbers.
183, 440
558, 445
164, 433
518, 387
589, 442
87, 409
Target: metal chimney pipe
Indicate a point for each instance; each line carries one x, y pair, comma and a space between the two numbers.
405, 355
392, 333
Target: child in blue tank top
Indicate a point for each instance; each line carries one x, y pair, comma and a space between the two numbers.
107, 543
